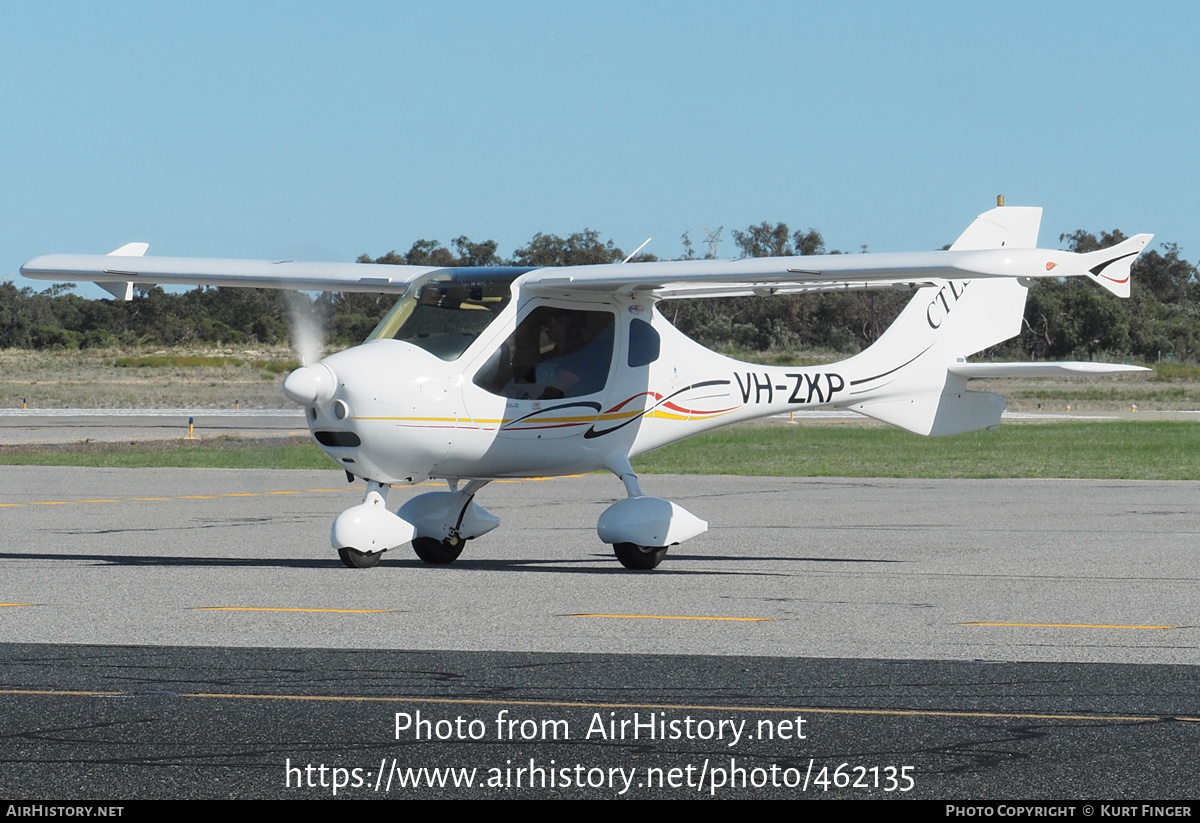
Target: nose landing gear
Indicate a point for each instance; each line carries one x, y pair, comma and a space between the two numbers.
639, 558
354, 559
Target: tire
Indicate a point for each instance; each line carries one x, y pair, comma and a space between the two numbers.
437, 552
354, 559
639, 558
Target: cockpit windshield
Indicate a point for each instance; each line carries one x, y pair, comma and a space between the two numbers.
445, 311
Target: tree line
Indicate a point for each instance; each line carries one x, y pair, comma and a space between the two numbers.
1063, 319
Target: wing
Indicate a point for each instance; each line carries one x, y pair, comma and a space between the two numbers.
794, 275
118, 272
1000, 243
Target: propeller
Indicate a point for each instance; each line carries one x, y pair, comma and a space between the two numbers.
314, 382
307, 337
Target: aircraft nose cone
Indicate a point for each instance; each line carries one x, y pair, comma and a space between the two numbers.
311, 385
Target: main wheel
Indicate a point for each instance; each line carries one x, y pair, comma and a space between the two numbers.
438, 552
354, 559
639, 558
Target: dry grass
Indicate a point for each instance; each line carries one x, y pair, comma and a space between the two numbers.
145, 378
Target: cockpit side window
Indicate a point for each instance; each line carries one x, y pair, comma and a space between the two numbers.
445, 313
553, 353
644, 343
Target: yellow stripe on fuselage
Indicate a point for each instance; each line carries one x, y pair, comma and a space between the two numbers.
533, 418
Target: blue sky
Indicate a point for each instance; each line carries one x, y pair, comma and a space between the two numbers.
314, 131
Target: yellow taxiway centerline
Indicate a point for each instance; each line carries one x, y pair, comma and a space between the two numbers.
1068, 626
676, 617
285, 609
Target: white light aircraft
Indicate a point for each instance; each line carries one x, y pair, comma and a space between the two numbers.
484, 373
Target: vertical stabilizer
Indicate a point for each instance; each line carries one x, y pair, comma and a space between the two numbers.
907, 381
1004, 227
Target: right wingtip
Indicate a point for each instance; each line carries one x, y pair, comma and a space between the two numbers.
1111, 267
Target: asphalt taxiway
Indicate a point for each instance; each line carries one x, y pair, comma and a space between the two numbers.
25, 426
189, 633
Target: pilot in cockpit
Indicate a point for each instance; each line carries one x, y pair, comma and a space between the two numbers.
553, 353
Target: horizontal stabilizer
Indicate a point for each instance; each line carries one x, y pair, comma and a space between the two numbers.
1076, 369
938, 415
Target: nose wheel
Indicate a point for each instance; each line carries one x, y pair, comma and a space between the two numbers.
354, 559
639, 558
438, 552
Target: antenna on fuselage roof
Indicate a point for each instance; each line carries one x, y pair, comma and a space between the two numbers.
635, 251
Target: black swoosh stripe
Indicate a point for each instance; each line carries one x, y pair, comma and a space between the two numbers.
591, 433
886, 373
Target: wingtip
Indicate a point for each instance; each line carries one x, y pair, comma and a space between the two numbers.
130, 250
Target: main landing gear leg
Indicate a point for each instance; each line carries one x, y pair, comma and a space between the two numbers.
641, 528
631, 555
445, 521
